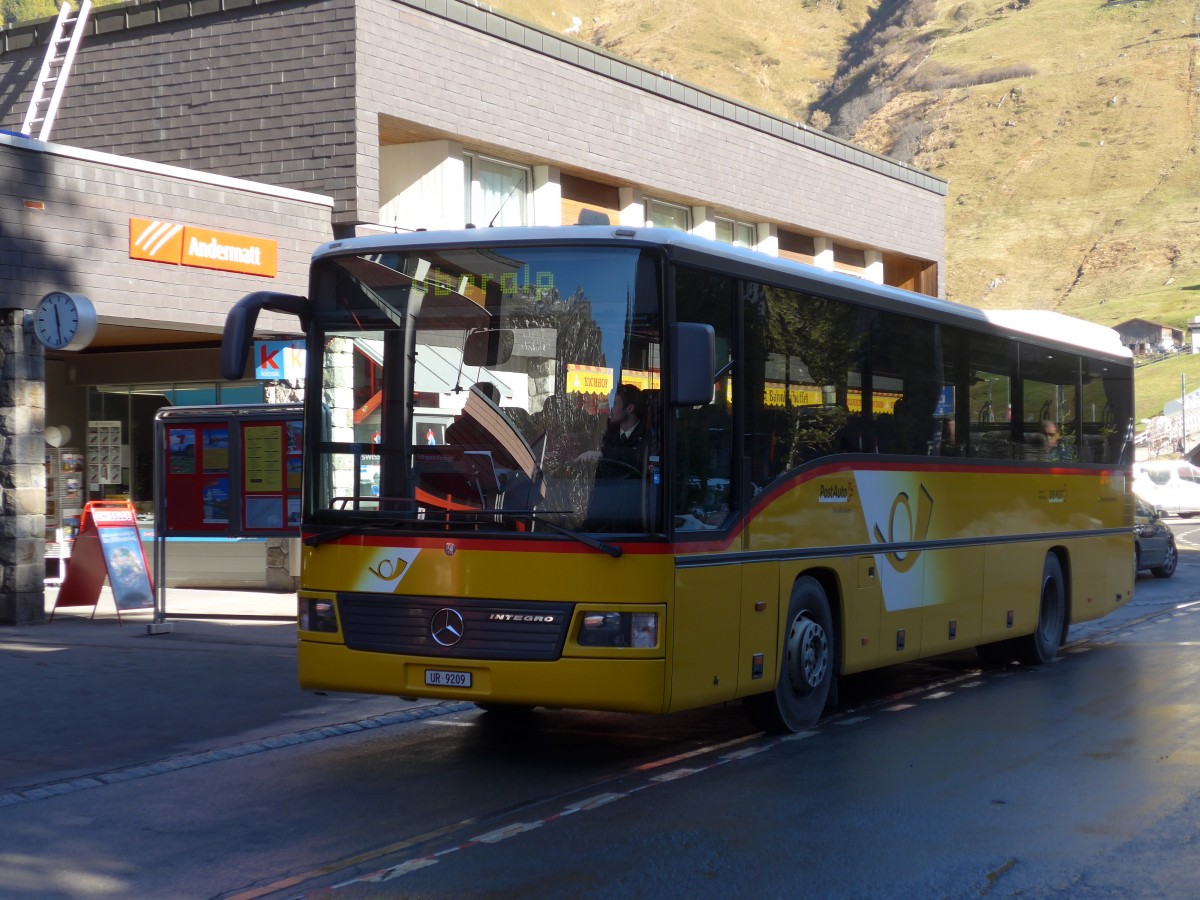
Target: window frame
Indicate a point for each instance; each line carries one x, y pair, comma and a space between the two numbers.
667, 205
473, 192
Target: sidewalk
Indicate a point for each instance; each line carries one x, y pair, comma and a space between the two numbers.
89, 695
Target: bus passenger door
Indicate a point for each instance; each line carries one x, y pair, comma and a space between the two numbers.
704, 643
706, 497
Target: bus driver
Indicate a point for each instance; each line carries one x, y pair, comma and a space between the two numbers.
623, 446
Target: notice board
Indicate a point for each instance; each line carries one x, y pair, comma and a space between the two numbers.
230, 471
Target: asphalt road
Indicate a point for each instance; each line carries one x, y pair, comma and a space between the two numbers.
188, 765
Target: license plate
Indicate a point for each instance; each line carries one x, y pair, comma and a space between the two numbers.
443, 678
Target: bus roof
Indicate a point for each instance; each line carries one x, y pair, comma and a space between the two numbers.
1042, 326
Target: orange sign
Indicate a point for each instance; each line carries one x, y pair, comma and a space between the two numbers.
188, 245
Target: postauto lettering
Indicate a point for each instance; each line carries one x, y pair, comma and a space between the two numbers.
836, 493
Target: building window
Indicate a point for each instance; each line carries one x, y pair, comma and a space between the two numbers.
497, 193
661, 214
740, 234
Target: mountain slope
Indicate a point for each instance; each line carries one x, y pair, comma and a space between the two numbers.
1066, 128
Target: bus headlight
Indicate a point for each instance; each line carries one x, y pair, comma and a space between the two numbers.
619, 629
318, 615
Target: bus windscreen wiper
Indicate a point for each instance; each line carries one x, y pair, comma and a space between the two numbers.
586, 539
461, 515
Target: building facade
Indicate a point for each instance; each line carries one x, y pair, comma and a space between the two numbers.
297, 121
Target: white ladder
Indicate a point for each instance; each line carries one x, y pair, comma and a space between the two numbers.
60, 53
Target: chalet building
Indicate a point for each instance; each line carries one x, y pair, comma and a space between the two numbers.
1143, 336
279, 124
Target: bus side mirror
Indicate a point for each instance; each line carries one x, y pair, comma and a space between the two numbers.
240, 322
693, 354
489, 347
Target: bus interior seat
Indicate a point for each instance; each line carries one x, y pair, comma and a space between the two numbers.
1035, 446
1092, 448
994, 445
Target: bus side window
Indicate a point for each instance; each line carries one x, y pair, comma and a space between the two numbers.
990, 370
801, 371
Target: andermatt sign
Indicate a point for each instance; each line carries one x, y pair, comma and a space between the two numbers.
188, 245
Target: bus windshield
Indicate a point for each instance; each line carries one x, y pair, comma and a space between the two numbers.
507, 388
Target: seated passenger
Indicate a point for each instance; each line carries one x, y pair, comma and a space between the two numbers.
1055, 447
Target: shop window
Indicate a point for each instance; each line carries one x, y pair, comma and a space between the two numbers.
497, 192
128, 410
205, 395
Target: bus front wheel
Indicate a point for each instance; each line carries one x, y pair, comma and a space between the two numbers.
806, 667
1042, 646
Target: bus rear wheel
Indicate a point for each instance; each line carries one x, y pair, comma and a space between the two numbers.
806, 664
1042, 646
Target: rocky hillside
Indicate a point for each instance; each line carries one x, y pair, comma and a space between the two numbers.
1065, 128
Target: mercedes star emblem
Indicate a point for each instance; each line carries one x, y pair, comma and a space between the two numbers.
446, 626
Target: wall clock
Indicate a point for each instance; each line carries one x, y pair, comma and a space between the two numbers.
65, 321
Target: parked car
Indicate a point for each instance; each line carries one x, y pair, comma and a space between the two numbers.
1154, 544
1169, 486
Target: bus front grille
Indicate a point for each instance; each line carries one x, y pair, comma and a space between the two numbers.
453, 629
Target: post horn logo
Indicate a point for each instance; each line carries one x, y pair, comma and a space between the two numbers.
916, 528
387, 569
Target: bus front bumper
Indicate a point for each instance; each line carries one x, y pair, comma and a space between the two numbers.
611, 683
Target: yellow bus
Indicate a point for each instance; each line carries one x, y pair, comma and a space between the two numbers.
632, 469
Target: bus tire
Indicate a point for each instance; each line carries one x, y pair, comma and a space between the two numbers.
1042, 646
806, 668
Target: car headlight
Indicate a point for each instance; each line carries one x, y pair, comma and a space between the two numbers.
619, 629
318, 615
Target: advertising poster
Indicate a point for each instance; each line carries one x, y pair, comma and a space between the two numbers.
216, 449
295, 437
181, 447
126, 564
108, 544
215, 499
293, 473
